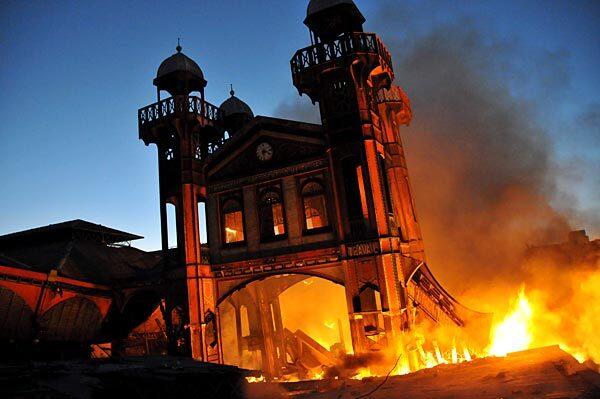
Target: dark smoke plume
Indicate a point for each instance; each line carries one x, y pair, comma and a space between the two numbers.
482, 167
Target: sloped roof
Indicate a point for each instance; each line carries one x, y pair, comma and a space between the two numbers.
8, 261
88, 261
63, 230
80, 250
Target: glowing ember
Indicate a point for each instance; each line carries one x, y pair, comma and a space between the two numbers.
467, 355
513, 333
580, 357
363, 373
454, 355
438, 354
402, 368
317, 375
256, 379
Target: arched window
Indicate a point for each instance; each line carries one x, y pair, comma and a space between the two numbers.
314, 205
233, 221
272, 222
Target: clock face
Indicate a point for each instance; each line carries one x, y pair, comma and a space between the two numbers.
264, 151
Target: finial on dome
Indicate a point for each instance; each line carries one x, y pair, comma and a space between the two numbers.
178, 48
231, 91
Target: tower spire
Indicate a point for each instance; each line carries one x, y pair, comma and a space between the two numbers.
231, 91
178, 48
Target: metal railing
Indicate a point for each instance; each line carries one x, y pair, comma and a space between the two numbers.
348, 43
178, 105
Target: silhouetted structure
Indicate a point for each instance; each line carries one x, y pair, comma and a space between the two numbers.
282, 198
287, 197
67, 285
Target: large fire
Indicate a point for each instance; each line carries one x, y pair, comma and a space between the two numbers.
533, 322
527, 324
558, 303
513, 333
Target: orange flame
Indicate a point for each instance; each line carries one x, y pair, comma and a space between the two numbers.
513, 333
260, 378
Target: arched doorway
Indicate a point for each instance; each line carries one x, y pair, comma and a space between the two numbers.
288, 326
77, 319
15, 317
137, 328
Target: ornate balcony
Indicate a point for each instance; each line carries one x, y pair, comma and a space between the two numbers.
348, 44
179, 105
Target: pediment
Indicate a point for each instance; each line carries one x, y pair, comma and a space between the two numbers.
286, 145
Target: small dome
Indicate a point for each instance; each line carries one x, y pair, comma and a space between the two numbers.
179, 62
234, 105
316, 6
179, 74
330, 18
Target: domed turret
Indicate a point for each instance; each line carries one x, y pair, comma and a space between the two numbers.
328, 19
179, 75
236, 113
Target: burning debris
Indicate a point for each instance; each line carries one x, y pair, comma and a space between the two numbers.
536, 373
532, 320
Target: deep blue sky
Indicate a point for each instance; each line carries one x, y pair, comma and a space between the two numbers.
74, 73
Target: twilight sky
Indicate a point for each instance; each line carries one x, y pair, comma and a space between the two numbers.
74, 73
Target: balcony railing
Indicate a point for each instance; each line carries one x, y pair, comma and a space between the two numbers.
178, 105
348, 43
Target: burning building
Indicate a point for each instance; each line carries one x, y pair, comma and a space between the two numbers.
293, 199
285, 201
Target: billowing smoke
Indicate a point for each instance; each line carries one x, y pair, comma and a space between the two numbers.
480, 163
482, 166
